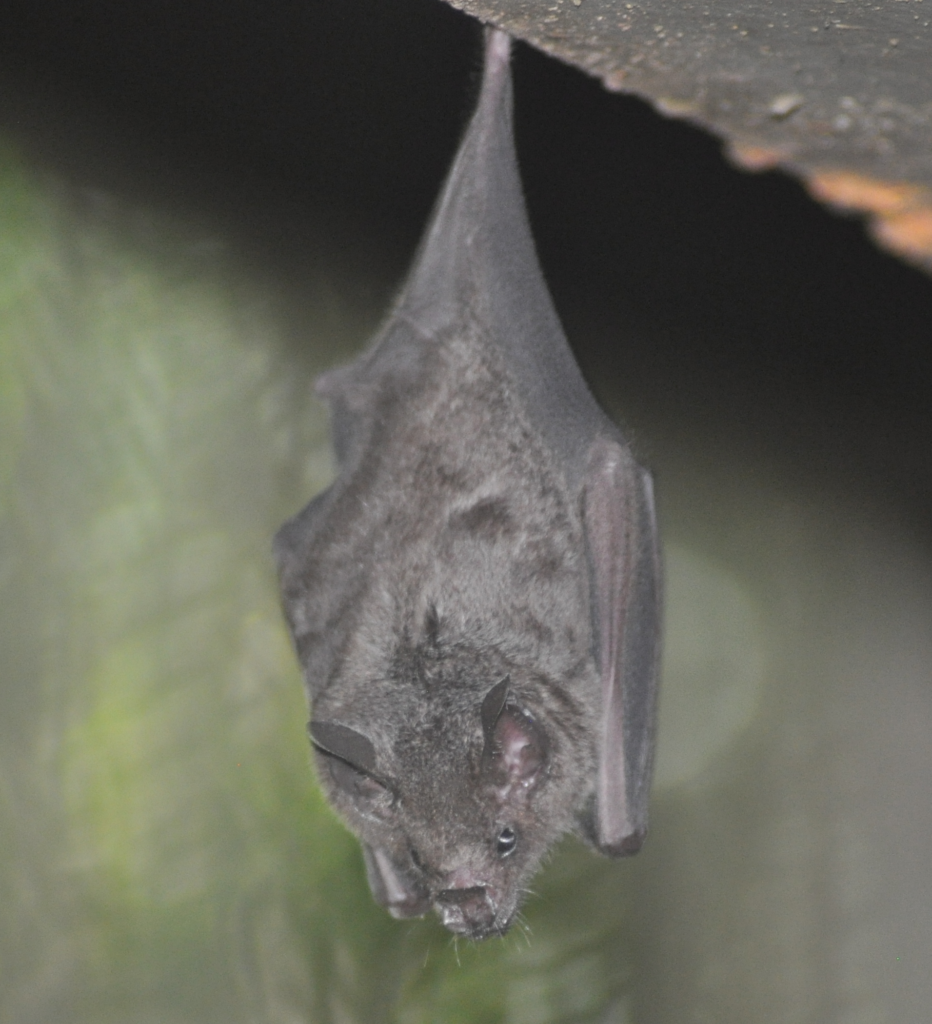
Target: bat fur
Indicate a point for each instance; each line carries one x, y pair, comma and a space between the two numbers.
475, 601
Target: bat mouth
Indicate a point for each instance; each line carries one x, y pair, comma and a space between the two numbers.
477, 933
470, 912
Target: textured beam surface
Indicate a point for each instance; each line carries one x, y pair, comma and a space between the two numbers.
838, 92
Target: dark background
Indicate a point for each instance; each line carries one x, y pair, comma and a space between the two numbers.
722, 297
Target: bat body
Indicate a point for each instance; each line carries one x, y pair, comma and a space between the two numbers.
475, 601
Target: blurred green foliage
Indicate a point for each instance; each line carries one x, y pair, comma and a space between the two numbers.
167, 854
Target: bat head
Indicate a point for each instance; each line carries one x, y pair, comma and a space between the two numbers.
452, 816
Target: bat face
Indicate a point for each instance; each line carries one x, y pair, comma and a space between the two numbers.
454, 822
475, 600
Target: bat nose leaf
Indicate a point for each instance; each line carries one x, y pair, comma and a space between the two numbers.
467, 911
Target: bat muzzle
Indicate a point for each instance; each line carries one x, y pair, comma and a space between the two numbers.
469, 912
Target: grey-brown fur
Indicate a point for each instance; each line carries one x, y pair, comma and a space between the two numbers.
458, 549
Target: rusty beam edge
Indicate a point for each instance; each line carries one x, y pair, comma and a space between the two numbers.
898, 213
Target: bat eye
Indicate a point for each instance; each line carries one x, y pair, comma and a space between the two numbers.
507, 840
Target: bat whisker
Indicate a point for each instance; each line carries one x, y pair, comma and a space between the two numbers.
524, 928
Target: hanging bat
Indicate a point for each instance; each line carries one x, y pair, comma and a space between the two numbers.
475, 601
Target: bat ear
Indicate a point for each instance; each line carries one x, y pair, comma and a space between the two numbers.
392, 888
344, 743
350, 760
515, 746
492, 705
625, 562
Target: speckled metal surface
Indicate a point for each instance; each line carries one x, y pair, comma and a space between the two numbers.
838, 92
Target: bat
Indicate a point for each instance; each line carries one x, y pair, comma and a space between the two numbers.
475, 601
